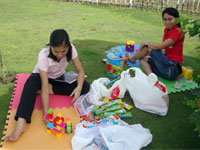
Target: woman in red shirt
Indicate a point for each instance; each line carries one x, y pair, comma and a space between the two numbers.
167, 64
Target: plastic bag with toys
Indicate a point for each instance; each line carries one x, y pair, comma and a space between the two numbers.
84, 105
147, 92
117, 90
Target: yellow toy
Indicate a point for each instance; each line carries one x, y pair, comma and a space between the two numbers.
187, 73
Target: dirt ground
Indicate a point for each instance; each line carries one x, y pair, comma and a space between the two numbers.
7, 78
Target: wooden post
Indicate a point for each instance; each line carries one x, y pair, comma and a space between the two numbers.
162, 3
167, 3
157, 4
131, 4
142, 3
147, 3
152, 3
172, 3
193, 1
177, 3
182, 5
188, 3
197, 10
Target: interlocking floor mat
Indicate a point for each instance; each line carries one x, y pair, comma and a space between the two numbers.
55, 101
183, 84
36, 136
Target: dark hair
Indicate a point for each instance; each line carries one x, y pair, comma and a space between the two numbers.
60, 37
173, 12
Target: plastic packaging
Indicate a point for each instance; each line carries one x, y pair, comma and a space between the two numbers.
84, 105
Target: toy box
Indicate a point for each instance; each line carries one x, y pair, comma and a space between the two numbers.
114, 64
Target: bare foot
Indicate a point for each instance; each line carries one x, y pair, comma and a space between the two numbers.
130, 57
19, 129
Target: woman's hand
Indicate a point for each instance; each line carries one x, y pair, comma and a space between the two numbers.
76, 93
142, 45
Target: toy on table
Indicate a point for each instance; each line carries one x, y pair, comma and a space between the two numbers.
130, 46
68, 126
55, 125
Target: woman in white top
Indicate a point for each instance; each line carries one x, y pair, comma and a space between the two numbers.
52, 62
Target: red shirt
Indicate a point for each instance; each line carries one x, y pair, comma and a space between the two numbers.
175, 52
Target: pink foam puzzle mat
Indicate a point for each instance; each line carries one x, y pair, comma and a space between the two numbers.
36, 137
55, 101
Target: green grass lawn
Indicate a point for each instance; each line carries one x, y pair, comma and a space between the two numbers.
25, 27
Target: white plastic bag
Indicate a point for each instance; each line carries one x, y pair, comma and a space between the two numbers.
132, 137
98, 89
147, 92
86, 132
104, 134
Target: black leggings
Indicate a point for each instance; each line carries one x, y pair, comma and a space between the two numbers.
29, 93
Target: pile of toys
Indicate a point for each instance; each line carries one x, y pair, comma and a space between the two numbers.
111, 107
57, 124
111, 120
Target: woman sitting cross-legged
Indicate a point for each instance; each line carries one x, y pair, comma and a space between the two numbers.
52, 62
167, 64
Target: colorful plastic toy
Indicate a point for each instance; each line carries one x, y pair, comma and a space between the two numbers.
130, 46
49, 115
187, 73
110, 83
55, 125
68, 126
127, 106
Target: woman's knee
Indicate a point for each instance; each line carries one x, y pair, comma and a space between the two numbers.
33, 80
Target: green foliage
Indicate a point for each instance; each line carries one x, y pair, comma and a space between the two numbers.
192, 27
195, 115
